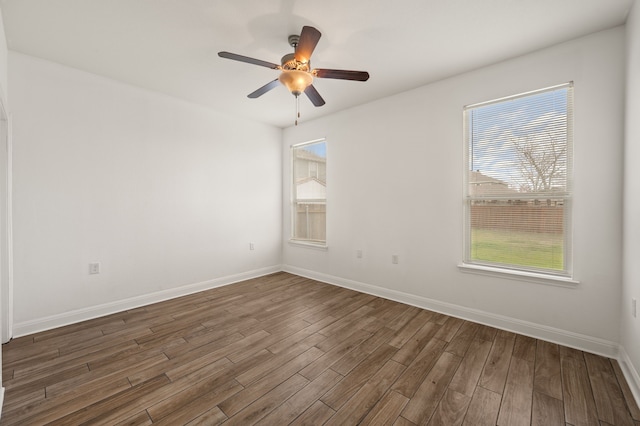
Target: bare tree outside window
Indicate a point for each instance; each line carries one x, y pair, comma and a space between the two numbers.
542, 162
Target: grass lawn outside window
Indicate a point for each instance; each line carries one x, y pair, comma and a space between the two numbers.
527, 249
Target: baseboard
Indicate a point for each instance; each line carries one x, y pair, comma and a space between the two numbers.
47, 323
538, 331
1, 400
551, 334
630, 373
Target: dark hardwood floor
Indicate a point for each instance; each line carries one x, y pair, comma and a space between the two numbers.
282, 349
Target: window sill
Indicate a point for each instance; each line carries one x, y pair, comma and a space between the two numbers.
519, 275
316, 246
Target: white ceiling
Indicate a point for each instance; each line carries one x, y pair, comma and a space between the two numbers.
171, 46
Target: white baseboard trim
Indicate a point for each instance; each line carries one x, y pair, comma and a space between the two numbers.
538, 331
54, 321
630, 373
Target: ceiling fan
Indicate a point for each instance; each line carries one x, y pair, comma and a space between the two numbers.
296, 72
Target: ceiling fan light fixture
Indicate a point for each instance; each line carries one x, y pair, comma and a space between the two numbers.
295, 81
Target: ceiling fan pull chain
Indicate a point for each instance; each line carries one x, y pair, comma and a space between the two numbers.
297, 109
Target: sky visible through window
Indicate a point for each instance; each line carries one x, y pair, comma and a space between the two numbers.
502, 132
319, 149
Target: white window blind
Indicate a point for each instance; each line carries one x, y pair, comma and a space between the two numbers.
309, 192
518, 181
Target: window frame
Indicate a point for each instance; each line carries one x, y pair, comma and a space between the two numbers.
313, 243
545, 275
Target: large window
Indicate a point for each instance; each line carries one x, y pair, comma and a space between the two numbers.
517, 182
309, 192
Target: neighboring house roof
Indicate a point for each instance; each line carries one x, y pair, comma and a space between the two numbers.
311, 189
483, 185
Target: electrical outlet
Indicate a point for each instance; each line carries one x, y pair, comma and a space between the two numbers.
94, 268
359, 254
394, 259
633, 307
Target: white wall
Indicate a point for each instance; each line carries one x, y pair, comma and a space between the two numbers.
3, 61
163, 193
394, 179
630, 335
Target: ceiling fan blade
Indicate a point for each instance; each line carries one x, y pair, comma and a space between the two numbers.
341, 74
236, 57
314, 96
309, 38
264, 89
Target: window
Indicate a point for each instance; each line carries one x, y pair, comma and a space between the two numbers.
518, 160
309, 192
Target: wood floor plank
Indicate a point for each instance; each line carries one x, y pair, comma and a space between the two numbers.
416, 372
214, 416
632, 406
95, 376
344, 390
518, 393
426, 398
197, 408
287, 342
525, 348
403, 335
579, 405
451, 409
43, 411
266, 403
449, 329
262, 369
496, 368
101, 411
362, 351
367, 396
207, 354
486, 333
546, 410
401, 421
283, 349
42, 381
325, 361
468, 374
184, 397
400, 322
610, 402
387, 410
463, 338
548, 377
303, 400
139, 419
317, 414
231, 406
483, 409
339, 335
410, 350
16, 403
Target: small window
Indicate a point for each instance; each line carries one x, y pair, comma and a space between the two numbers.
309, 192
517, 195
